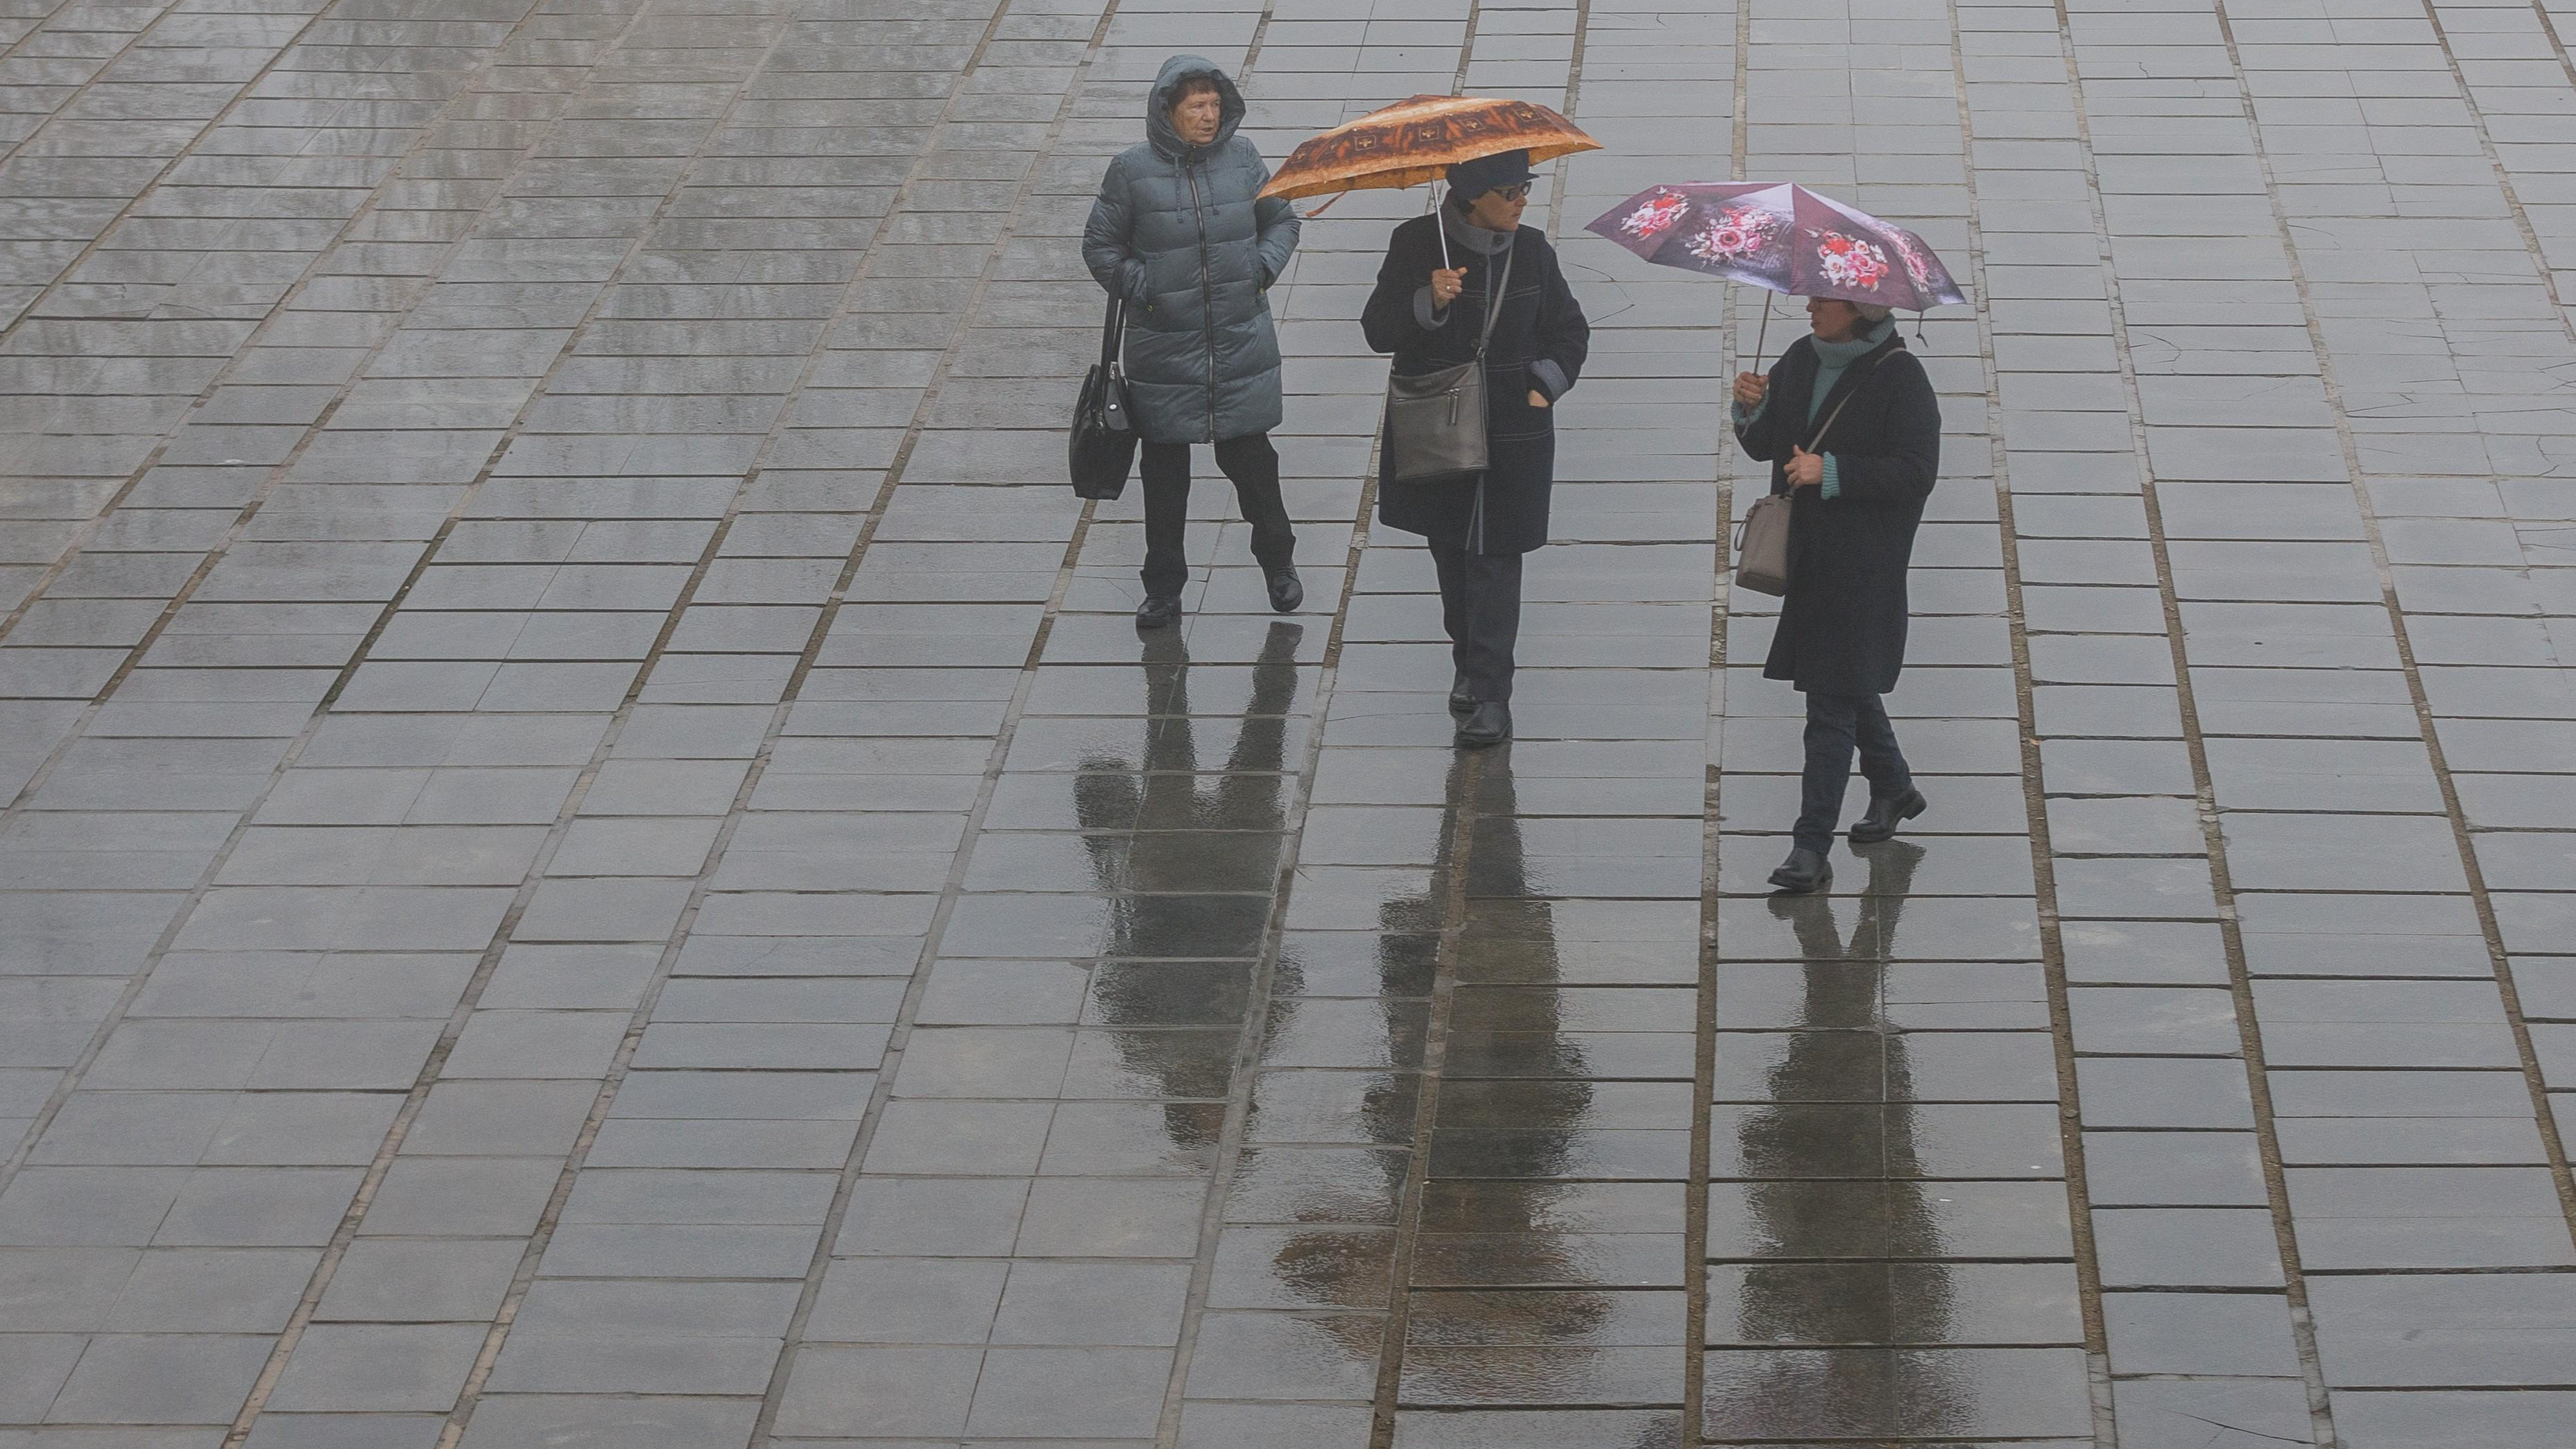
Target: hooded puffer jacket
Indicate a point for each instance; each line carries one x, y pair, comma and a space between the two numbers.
1176, 232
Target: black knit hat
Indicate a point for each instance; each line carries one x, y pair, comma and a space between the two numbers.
1471, 179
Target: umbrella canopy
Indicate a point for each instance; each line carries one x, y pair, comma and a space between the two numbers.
1784, 237
1416, 140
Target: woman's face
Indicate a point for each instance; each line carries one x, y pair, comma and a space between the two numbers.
1500, 210
1196, 116
1834, 319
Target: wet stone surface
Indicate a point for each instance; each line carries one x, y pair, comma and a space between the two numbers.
591, 856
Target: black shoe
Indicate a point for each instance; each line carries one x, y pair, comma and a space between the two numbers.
1462, 699
1883, 816
1286, 592
1489, 724
1804, 871
1158, 611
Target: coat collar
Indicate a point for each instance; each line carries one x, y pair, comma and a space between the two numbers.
1853, 376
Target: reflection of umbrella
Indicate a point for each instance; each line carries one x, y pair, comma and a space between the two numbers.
1416, 140
1783, 237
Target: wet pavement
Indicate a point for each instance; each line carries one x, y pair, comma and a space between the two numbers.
585, 872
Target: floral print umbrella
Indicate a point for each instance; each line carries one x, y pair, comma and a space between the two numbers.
1780, 236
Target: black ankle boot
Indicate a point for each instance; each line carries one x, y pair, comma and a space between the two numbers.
1490, 724
1805, 870
1462, 699
1883, 816
1158, 611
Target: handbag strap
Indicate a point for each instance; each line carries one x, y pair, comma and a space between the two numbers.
1113, 330
1873, 360
1495, 296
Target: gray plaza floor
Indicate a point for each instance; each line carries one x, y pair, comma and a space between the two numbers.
592, 859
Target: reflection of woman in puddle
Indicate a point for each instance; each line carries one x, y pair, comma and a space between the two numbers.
1504, 1326
1147, 826
1835, 1202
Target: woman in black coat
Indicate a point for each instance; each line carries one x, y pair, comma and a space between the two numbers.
1852, 431
1429, 310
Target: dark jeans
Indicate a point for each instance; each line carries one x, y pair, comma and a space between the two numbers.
1253, 466
1835, 723
1480, 606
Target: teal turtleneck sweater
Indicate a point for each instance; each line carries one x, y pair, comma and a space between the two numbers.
1832, 359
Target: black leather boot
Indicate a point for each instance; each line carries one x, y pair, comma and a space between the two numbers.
1287, 592
1462, 700
1489, 724
1879, 822
1804, 871
1158, 611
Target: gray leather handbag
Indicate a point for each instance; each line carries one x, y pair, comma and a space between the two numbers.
1435, 421
1762, 546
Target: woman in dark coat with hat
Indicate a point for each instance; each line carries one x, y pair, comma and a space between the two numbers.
1852, 431
1429, 309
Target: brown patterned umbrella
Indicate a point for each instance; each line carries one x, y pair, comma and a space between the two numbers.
1416, 140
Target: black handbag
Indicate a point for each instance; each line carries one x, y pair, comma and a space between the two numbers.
1435, 421
1102, 447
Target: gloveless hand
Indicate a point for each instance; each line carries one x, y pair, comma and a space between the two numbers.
1446, 284
1805, 469
1751, 388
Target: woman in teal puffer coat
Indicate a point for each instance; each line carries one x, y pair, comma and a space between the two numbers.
1178, 234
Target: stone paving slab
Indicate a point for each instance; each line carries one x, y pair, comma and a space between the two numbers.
592, 859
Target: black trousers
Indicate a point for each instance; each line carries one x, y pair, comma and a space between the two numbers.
1253, 467
1480, 606
1835, 724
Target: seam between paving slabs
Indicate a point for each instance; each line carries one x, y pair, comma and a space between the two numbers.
621, 1063
1246, 1064
1724, 465
196, 893
469, 88
908, 1010
2222, 883
434, 1066
2557, 46
1247, 1057
1465, 775
1265, 974
2495, 163
2043, 856
2552, 1136
212, 122
2552, 1141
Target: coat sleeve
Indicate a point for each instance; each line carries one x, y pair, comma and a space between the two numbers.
1388, 320
1108, 239
1903, 474
1277, 220
1564, 336
1760, 438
